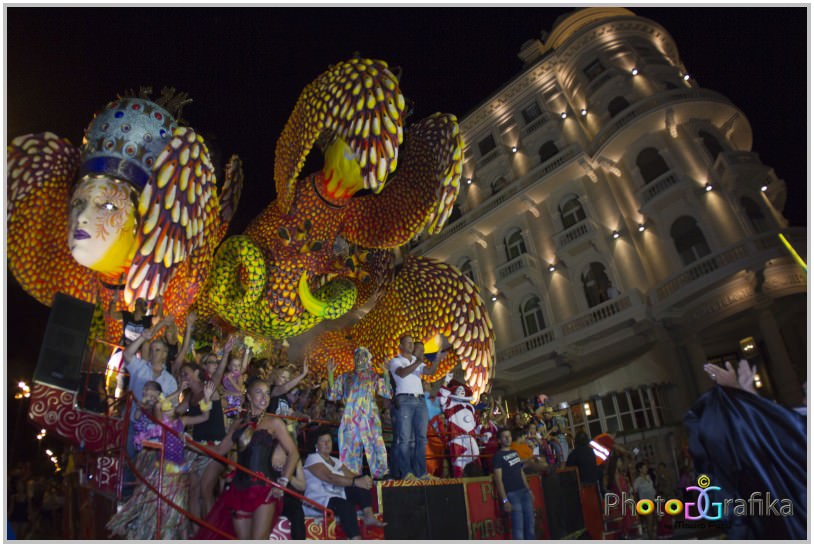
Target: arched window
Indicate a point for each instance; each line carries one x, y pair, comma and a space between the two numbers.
547, 151
499, 184
571, 211
711, 144
616, 105
651, 164
596, 284
532, 313
466, 269
515, 245
755, 215
455, 214
689, 240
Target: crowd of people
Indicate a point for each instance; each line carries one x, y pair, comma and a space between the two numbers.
267, 415
313, 442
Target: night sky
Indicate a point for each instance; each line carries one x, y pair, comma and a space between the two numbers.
245, 67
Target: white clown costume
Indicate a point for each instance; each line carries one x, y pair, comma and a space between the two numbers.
455, 400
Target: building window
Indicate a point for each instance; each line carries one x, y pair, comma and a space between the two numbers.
711, 144
515, 245
486, 145
689, 240
755, 215
499, 184
531, 113
596, 284
625, 412
611, 416
616, 105
593, 70
455, 214
466, 269
571, 211
651, 165
532, 313
547, 151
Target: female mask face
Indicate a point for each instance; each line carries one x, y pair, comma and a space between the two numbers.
102, 224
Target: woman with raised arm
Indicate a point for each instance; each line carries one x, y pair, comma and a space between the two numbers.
248, 508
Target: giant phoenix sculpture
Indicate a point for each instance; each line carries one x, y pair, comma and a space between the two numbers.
326, 245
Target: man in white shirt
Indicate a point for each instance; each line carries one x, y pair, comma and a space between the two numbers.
410, 410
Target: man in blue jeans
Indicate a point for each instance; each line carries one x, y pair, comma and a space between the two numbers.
410, 417
512, 487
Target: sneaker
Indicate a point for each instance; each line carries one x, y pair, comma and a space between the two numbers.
429, 478
410, 477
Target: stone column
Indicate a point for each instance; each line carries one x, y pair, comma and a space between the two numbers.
787, 387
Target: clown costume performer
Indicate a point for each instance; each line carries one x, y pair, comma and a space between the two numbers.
360, 427
463, 447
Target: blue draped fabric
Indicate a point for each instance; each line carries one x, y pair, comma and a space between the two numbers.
745, 444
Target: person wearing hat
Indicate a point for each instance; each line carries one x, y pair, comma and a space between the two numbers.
360, 429
455, 399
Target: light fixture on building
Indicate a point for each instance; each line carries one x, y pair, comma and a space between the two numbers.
49, 452
634, 71
514, 150
469, 180
583, 112
686, 77
748, 346
494, 297
551, 267
615, 234
587, 407
708, 187
758, 383
642, 228
764, 187
564, 115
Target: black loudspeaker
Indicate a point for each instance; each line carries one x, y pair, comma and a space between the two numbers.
63, 346
563, 504
425, 513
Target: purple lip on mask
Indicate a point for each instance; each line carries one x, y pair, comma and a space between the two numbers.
81, 234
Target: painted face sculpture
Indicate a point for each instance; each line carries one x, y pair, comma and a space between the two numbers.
134, 212
102, 224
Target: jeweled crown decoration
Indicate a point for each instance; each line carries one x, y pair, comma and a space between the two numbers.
125, 139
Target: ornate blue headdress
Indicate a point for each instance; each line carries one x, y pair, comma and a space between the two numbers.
126, 137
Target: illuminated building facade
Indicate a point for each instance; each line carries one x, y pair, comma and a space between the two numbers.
623, 232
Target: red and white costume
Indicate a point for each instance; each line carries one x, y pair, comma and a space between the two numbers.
463, 447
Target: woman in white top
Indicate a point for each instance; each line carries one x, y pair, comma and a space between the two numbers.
330, 483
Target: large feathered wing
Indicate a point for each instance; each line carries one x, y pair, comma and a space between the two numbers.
358, 100
427, 298
40, 171
420, 195
179, 212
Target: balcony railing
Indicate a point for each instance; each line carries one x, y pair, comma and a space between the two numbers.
529, 343
657, 186
710, 264
599, 81
522, 262
487, 159
728, 159
598, 314
574, 233
648, 104
531, 178
535, 124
